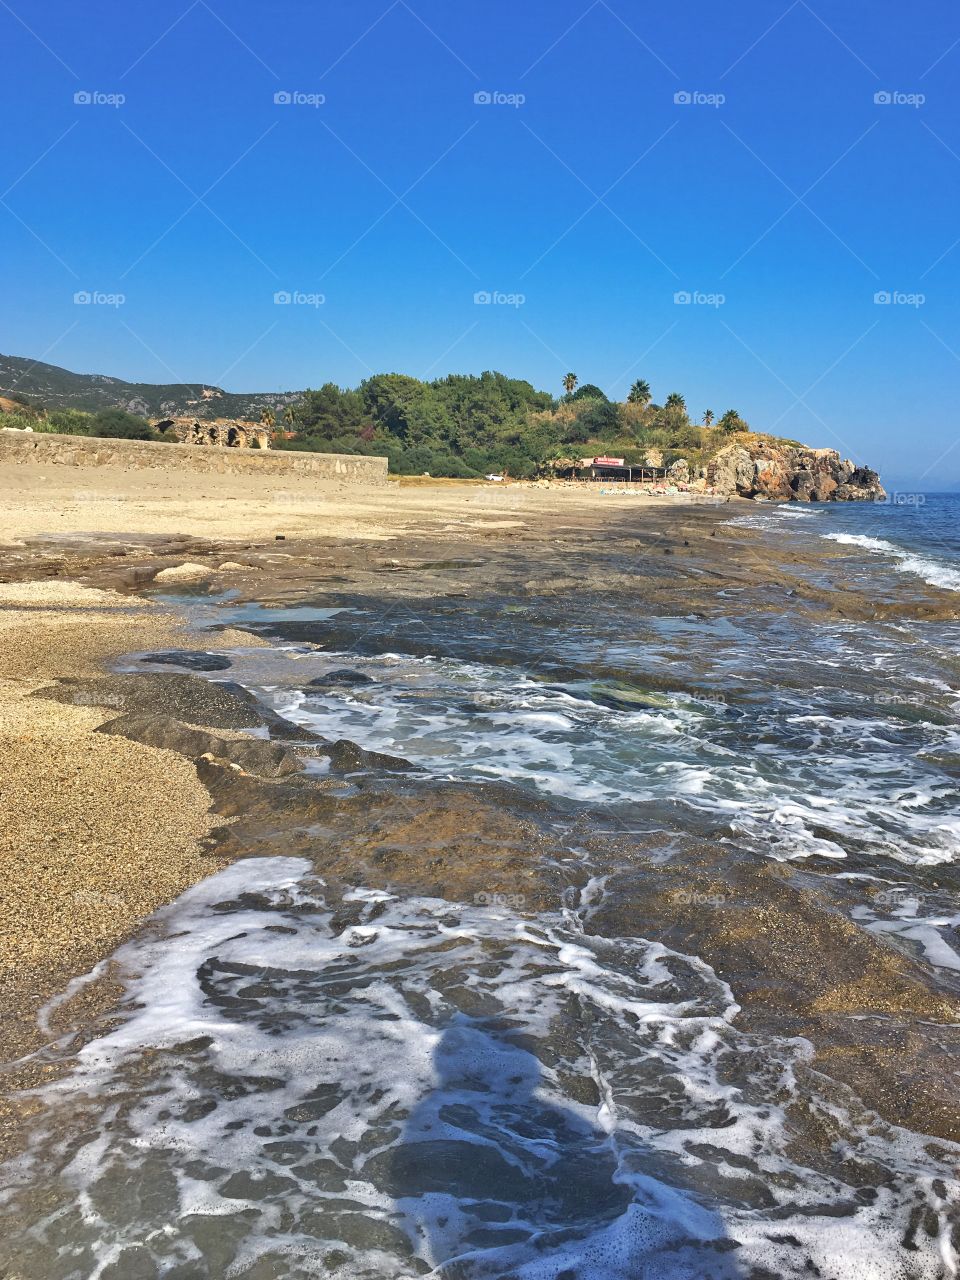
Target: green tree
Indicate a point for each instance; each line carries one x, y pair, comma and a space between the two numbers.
708, 418
330, 412
267, 417
731, 421
589, 391
597, 420
675, 401
639, 393
570, 383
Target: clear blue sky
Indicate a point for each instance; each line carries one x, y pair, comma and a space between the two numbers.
597, 199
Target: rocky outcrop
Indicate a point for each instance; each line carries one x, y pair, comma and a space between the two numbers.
790, 473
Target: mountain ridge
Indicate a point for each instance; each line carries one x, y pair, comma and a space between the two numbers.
59, 388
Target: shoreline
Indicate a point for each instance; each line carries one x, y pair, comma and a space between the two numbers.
74, 607
100, 831
107, 829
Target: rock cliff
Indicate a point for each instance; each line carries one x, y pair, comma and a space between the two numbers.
765, 469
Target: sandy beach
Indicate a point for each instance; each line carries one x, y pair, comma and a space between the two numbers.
99, 830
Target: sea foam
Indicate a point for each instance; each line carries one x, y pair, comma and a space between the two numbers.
932, 572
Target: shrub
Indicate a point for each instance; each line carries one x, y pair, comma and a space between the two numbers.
117, 424
68, 422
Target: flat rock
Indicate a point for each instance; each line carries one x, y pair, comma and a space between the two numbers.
193, 660
186, 572
220, 705
253, 755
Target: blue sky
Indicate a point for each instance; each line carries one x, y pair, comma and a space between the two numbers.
583, 197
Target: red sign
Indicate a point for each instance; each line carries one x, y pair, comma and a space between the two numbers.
608, 462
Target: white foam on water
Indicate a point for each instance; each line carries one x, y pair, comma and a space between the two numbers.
770, 517
906, 920
932, 572
374, 1087
798, 782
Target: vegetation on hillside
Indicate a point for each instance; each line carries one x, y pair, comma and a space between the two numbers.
460, 425
468, 426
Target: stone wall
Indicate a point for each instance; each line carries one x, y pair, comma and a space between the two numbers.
87, 451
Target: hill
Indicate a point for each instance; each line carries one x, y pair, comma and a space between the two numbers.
461, 425
56, 388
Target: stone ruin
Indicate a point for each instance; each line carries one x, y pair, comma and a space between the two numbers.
221, 433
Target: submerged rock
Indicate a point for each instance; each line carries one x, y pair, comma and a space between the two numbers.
193, 660
342, 678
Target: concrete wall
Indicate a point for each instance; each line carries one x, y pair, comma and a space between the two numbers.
86, 451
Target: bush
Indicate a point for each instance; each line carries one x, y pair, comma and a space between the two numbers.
68, 422
21, 421
117, 424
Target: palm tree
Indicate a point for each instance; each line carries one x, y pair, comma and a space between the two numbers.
708, 417
675, 401
639, 393
267, 417
731, 421
290, 417
570, 382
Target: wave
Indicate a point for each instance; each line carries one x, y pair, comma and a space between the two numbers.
770, 516
932, 572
